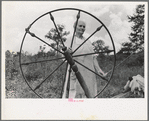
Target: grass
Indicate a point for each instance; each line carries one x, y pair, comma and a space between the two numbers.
121, 74
51, 88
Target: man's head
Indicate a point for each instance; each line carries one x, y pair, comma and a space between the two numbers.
80, 28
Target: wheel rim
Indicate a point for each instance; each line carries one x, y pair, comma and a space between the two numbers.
63, 9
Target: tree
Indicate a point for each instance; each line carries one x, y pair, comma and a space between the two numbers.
136, 37
8, 54
10, 64
53, 35
106, 48
99, 46
126, 48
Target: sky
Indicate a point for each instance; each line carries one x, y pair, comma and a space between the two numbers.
16, 16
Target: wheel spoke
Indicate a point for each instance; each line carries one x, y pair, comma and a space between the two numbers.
91, 70
49, 76
88, 38
42, 61
33, 35
108, 51
78, 16
52, 18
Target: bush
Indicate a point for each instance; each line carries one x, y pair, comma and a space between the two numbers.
136, 60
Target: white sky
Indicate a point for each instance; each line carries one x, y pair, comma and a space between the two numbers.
16, 16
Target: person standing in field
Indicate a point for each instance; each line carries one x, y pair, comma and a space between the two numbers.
75, 90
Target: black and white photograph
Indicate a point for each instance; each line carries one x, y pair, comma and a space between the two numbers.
86, 57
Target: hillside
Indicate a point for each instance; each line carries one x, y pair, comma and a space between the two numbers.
51, 88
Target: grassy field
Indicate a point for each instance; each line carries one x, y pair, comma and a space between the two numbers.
16, 87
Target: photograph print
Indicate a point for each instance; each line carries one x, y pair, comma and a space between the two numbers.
75, 50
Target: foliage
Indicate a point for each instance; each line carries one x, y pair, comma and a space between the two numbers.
57, 38
136, 37
11, 64
121, 74
34, 74
51, 88
136, 59
99, 46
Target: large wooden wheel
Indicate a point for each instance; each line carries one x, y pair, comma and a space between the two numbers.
64, 63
